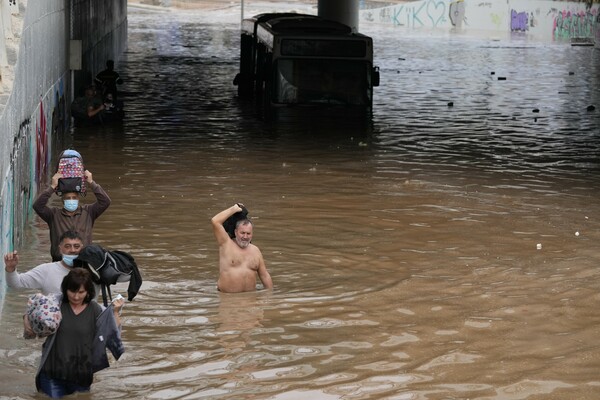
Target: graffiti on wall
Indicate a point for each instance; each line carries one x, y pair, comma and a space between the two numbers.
457, 13
429, 13
21, 182
519, 21
29, 166
565, 24
568, 25
540, 17
6, 222
497, 20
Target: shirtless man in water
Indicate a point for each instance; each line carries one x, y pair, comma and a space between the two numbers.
239, 260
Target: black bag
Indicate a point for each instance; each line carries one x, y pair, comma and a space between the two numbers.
230, 222
110, 267
66, 185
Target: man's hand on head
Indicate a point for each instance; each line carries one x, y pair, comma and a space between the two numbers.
55, 179
88, 177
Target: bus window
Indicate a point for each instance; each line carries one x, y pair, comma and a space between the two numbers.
321, 81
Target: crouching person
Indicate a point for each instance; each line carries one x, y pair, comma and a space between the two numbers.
77, 350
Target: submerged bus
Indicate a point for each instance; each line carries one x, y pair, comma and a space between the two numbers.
299, 61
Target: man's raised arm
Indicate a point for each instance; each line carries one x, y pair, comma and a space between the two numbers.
218, 220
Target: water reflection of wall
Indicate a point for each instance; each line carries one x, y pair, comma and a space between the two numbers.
539, 19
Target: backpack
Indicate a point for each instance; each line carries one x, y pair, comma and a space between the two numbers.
110, 267
230, 222
70, 165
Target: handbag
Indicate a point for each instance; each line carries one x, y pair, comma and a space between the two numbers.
43, 313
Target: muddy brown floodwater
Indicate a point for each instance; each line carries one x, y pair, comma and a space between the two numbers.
404, 254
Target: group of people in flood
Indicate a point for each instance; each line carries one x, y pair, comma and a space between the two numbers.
99, 103
74, 351
77, 348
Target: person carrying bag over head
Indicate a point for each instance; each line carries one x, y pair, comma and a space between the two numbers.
71, 182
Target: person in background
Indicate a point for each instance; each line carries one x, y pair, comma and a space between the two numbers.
72, 215
108, 79
113, 109
239, 260
89, 107
77, 350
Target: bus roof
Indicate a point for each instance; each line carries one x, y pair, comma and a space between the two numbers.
292, 23
249, 24
303, 25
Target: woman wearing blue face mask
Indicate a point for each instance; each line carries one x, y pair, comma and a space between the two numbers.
72, 215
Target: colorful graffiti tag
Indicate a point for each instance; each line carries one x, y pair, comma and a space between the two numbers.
538, 19
519, 21
30, 162
569, 24
430, 13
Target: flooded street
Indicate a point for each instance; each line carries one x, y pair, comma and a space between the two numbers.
449, 250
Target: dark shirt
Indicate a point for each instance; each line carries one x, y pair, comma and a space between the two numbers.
109, 79
106, 336
81, 105
70, 358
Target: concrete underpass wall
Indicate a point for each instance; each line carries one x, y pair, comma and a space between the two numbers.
102, 28
540, 20
36, 86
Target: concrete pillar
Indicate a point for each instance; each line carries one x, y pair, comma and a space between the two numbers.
344, 11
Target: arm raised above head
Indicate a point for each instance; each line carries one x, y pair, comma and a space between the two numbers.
40, 206
102, 199
218, 220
